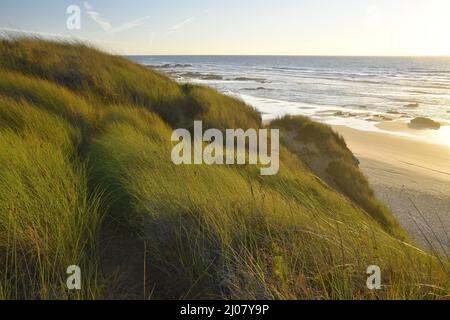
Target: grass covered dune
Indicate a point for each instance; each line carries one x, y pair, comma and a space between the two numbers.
87, 180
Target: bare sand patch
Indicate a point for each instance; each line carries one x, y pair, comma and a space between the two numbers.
411, 177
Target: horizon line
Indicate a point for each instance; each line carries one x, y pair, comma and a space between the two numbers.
5, 31
285, 55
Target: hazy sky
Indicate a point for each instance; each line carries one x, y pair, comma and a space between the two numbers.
288, 27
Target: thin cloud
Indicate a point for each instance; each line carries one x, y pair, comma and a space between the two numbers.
107, 26
182, 23
178, 26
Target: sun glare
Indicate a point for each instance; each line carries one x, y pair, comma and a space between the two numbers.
436, 26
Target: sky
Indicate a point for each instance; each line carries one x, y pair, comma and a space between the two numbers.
247, 27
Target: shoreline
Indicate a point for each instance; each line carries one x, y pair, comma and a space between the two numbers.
412, 178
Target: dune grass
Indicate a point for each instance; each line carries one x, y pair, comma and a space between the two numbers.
220, 111
220, 233
47, 219
317, 143
118, 81
307, 130
85, 145
115, 80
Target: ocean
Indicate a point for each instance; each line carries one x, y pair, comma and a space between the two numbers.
355, 91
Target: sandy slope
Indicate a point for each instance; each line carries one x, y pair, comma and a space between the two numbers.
412, 178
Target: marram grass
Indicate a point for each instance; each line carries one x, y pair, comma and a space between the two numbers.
86, 179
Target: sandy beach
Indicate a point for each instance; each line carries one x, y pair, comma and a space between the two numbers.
412, 178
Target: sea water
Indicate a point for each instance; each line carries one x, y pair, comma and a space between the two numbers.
355, 91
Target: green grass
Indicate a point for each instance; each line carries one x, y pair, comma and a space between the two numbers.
118, 81
218, 233
322, 136
87, 178
115, 80
314, 142
47, 219
219, 111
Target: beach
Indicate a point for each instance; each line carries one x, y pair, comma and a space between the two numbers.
412, 178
